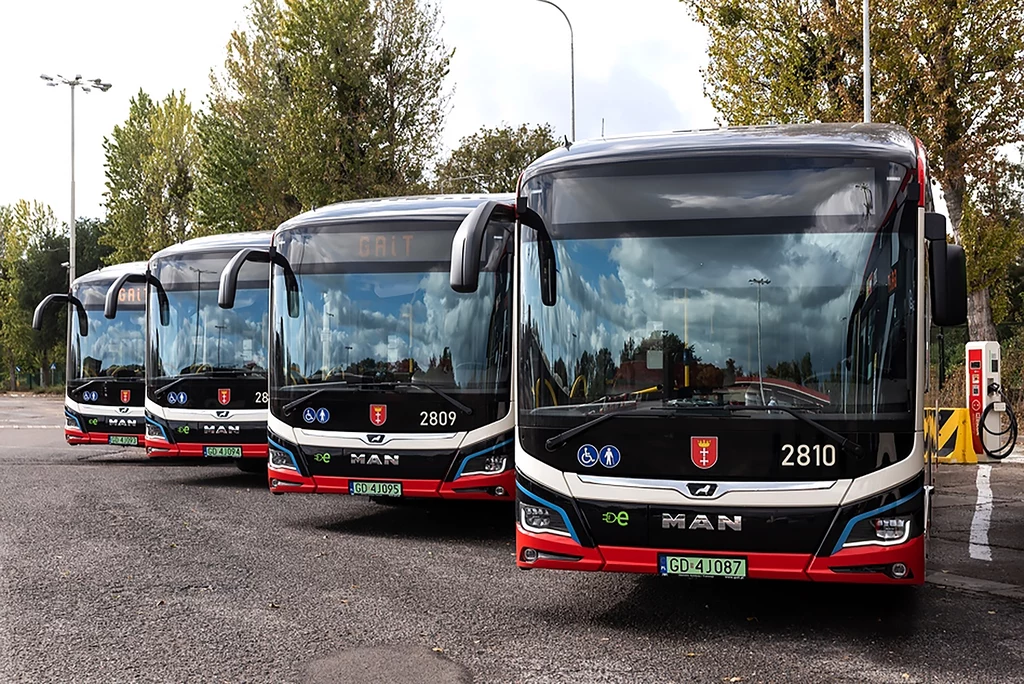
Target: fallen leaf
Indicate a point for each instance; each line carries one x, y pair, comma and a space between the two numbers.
906, 676
691, 655
161, 602
273, 605
991, 612
437, 649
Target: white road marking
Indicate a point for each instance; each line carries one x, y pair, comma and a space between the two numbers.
29, 427
979, 548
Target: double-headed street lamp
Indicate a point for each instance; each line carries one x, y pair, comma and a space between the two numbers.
86, 85
572, 65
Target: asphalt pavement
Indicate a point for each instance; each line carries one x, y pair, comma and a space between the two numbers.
118, 569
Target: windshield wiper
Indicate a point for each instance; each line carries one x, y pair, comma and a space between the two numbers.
562, 437
215, 373
848, 445
342, 386
90, 383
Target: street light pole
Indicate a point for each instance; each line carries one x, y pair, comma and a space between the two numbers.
86, 85
760, 376
867, 64
572, 64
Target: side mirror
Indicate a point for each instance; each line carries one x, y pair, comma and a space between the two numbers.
228, 287
110, 303
83, 320
934, 226
948, 282
464, 271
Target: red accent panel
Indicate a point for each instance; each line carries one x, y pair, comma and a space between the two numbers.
74, 436
910, 554
157, 448
506, 479
590, 559
769, 566
425, 489
302, 485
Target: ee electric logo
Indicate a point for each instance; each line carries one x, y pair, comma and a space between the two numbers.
621, 518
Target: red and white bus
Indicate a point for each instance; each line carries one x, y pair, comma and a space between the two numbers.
739, 321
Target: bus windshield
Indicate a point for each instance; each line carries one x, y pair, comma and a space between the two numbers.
113, 348
376, 307
200, 336
702, 283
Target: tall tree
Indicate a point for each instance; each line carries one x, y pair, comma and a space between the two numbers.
35, 248
241, 185
90, 252
491, 159
151, 165
127, 148
949, 71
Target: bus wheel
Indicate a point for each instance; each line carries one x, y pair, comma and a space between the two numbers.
252, 465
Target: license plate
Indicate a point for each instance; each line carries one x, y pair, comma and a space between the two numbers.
702, 566
375, 488
223, 451
124, 440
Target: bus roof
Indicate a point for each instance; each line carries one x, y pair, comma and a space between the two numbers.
418, 206
216, 243
108, 274
868, 140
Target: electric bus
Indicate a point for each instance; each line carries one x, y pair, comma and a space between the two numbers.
206, 368
106, 374
744, 315
383, 381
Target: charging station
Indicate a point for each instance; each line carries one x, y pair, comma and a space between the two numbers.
986, 403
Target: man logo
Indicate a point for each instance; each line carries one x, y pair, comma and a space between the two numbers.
701, 522
122, 422
221, 430
698, 489
123, 409
222, 414
704, 451
373, 459
375, 439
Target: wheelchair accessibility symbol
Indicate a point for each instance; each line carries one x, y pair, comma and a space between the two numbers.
587, 455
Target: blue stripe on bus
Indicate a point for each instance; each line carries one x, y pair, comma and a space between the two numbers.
543, 502
863, 516
462, 466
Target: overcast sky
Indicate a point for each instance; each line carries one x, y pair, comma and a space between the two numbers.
637, 66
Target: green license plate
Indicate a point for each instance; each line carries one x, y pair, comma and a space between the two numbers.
702, 566
124, 440
375, 488
223, 451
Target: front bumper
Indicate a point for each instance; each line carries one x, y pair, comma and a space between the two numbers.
471, 487
782, 544
159, 446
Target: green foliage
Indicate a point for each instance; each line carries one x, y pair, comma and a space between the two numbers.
90, 252
35, 246
948, 71
241, 185
491, 159
151, 163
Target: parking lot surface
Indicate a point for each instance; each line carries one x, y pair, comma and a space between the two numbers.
118, 569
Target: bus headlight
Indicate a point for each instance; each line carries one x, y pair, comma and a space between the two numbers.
541, 519
281, 459
488, 464
891, 529
154, 432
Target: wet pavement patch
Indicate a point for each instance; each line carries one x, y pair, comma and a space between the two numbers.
388, 665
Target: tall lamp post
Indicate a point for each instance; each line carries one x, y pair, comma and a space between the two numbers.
86, 86
867, 65
760, 376
572, 65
